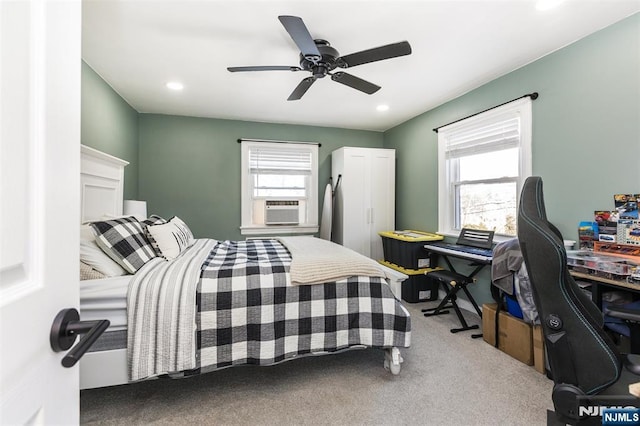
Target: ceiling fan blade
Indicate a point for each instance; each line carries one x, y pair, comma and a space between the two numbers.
355, 82
376, 54
301, 36
301, 89
264, 68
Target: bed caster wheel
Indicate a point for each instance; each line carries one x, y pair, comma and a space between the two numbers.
393, 368
393, 361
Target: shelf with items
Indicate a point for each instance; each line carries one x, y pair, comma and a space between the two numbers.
607, 260
624, 250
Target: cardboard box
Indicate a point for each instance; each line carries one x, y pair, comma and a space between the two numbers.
538, 349
515, 335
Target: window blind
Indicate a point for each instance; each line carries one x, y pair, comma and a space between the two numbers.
283, 160
494, 136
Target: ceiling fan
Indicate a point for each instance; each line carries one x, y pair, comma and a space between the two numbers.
320, 59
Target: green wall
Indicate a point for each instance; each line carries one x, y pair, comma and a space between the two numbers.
586, 132
110, 124
586, 141
190, 167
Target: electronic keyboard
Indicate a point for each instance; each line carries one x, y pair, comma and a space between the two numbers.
481, 255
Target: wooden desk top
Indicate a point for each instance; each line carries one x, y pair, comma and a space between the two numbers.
608, 281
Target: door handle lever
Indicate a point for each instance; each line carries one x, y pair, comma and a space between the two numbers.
65, 330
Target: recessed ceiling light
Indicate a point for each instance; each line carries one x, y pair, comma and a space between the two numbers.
382, 108
547, 4
175, 85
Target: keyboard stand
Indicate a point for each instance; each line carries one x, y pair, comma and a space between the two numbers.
452, 282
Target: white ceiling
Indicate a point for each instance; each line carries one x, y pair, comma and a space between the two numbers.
138, 46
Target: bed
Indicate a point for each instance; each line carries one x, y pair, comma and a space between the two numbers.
215, 304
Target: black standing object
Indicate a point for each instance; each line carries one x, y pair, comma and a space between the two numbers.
452, 282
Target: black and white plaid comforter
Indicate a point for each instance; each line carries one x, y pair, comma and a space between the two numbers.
249, 313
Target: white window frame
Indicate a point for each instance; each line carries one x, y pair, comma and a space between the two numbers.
520, 108
247, 201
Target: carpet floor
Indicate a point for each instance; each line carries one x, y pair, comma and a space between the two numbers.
446, 379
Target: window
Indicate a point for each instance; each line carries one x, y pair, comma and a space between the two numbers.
279, 187
482, 164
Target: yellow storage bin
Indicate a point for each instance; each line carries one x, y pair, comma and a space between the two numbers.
416, 283
405, 248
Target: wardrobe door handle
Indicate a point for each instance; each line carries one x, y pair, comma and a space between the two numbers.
65, 329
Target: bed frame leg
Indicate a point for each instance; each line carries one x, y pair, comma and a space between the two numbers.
393, 360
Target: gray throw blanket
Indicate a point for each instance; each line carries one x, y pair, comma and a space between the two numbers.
509, 274
507, 260
161, 313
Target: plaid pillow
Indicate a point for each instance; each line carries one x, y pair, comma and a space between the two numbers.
124, 241
153, 220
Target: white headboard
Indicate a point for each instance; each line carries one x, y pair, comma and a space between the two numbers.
101, 184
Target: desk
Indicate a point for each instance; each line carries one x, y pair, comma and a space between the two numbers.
598, 282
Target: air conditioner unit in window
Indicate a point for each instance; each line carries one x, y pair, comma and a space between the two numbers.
281, 212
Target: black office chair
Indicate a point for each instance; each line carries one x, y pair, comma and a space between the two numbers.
583, 359
623, 326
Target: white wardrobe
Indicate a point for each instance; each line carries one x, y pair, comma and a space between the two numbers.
365, 198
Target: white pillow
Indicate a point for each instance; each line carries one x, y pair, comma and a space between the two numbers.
86, 233
93, 255
184, 228
171, 238
88, 273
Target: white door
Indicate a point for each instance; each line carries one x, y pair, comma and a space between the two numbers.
382, 192
39, 205
357, 219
